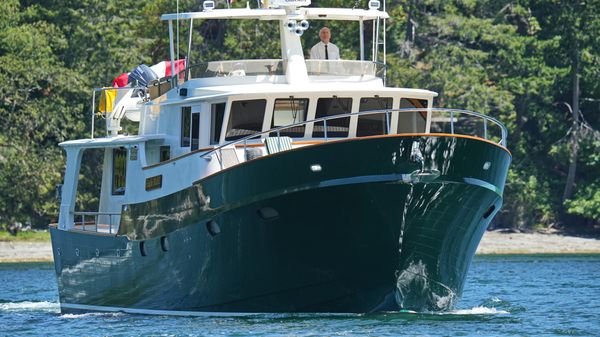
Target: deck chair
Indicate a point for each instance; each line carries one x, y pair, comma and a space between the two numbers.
278, 144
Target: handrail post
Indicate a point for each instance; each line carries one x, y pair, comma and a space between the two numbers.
96, 221
485, 128
83, 221
110, 224
452, 122
387, 122
278, 140
220, 157
93, 109
325, 128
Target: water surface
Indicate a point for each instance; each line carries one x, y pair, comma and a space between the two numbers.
504, 296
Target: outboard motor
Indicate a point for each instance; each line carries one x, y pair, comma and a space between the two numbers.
141, 76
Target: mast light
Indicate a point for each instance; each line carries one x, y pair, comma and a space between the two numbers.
374, 5
208, 5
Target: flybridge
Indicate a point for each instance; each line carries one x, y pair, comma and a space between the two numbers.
294, 19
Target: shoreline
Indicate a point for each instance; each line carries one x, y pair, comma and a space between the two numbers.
493, 243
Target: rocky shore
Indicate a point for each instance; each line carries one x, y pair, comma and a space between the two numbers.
496, 243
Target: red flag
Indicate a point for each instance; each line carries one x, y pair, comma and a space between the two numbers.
120, 81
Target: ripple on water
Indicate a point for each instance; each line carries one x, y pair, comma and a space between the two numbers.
44, 306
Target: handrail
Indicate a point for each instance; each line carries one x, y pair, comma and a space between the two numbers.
277, 130
95, 215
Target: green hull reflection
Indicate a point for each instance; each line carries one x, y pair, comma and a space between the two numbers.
387, 223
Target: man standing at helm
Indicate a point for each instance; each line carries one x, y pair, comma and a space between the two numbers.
325, 50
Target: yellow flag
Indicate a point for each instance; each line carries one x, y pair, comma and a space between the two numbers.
107, 100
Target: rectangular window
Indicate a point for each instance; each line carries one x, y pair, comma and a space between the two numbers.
186, 125
119, 170
376, 124
165, 153
216, 120
412, 121
290, 111
195, 130
153, 183
337, 127
246, 118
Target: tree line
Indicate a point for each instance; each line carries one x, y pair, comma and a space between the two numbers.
534, 65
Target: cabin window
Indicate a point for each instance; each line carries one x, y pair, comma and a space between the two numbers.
165, 153
119, 170
186, 125
216, 120
290, 111
246, 118
375, 124
195, 130
412, 121
154, 183
337, 127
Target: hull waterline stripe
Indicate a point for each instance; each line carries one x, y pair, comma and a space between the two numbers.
100, 308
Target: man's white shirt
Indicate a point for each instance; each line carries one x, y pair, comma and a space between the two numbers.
317, 52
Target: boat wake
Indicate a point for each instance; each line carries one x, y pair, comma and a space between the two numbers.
30, 306
92, 314
480, 310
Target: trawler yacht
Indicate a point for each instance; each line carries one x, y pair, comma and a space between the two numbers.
277, 185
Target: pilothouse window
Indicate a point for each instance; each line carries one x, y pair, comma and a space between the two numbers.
246, 118
412, 121
375, 124
290, 111
195, 131
337, 127
216, 121
186, 125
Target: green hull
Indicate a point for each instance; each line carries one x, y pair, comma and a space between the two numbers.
374, 230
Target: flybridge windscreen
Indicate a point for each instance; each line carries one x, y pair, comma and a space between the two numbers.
296, 3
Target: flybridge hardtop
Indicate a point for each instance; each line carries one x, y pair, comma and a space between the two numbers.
275, 185
341, 14
294, 20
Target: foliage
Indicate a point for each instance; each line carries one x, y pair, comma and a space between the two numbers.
513, 60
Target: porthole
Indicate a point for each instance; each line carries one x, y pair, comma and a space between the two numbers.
77, 252
97, 252
489, 211
143, 248
268, 213
164, 243
213, 228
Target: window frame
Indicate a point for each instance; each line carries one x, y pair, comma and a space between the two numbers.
116, 190
230, 116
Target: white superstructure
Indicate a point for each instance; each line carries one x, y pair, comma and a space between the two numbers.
182, 118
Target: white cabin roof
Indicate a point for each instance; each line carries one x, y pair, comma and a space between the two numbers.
342, 14
115, 141
268, 90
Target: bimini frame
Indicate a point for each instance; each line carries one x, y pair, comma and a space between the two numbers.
290, 40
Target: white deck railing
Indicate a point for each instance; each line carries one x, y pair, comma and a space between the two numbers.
447, 121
